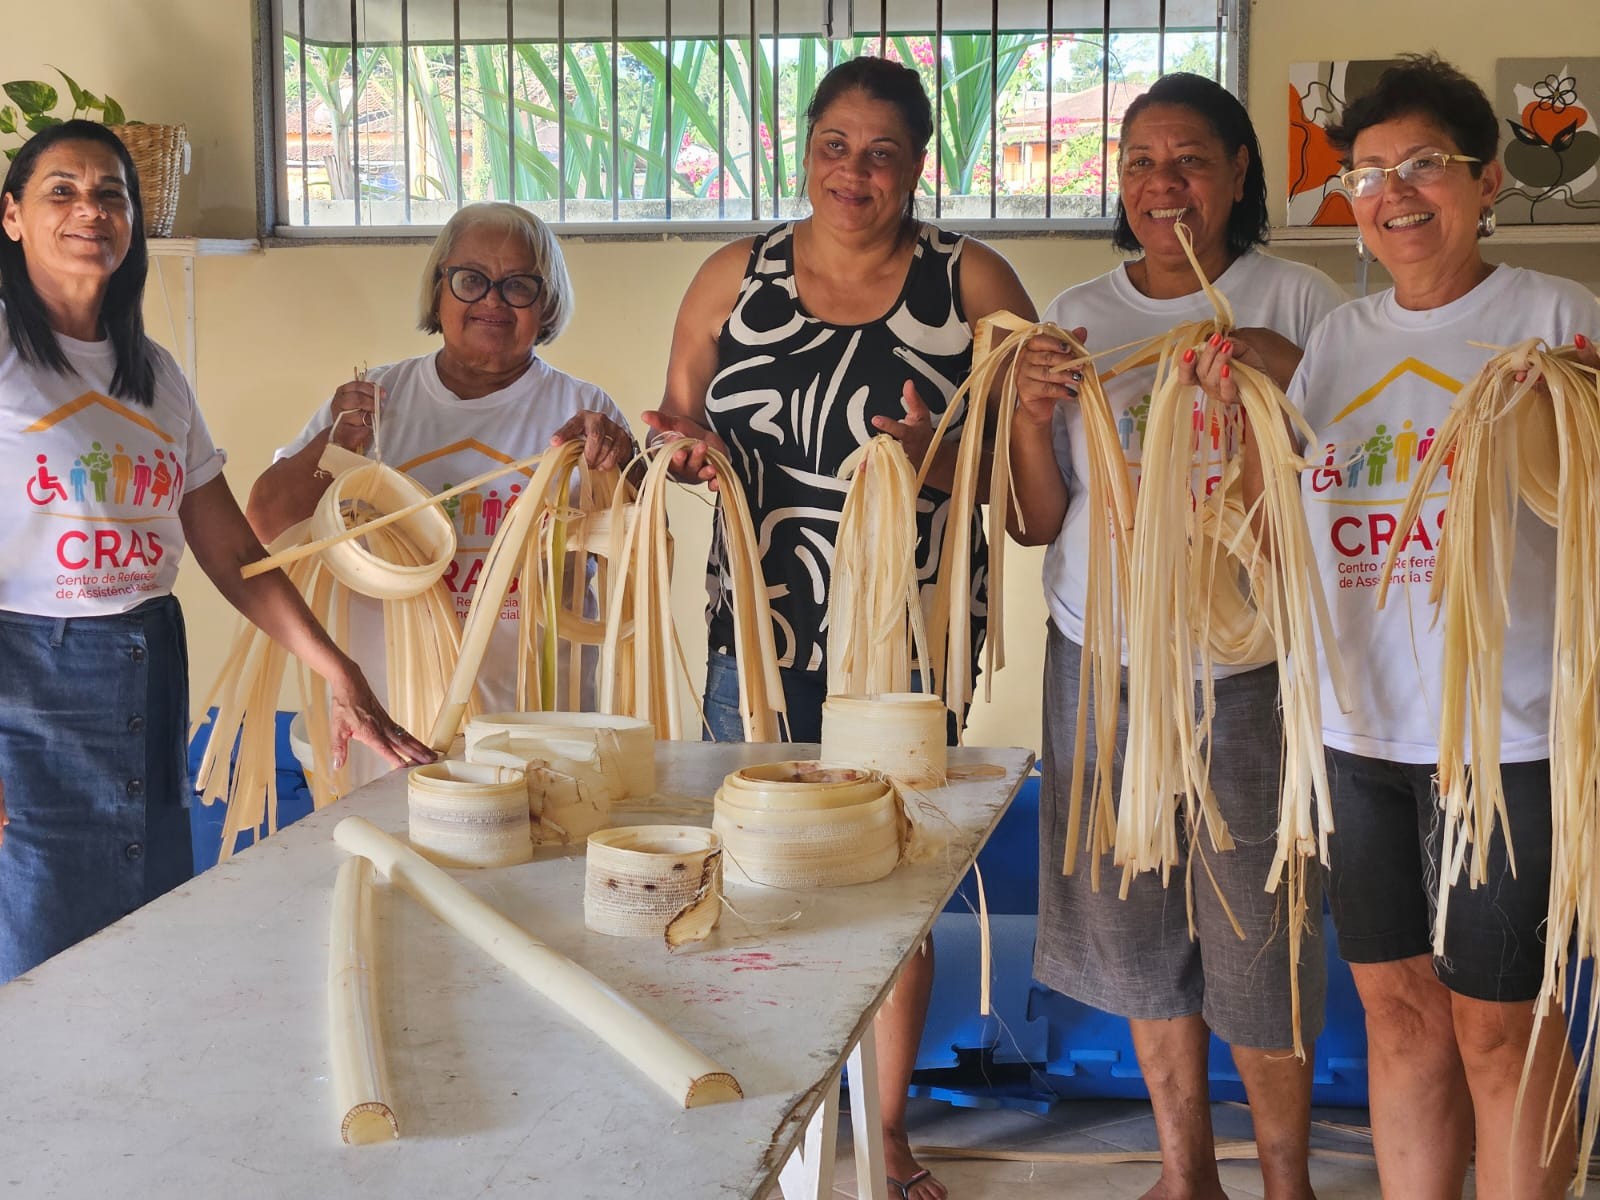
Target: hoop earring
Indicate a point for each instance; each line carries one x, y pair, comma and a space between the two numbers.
1486, 223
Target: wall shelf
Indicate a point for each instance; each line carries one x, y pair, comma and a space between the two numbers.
186, 250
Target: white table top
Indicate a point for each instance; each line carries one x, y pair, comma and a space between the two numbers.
183, 1051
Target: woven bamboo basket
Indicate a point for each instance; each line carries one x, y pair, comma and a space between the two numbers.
158, 153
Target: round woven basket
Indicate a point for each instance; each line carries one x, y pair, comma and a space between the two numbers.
158, 155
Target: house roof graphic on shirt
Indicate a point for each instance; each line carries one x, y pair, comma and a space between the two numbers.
457, 447
1406, 366
73, 407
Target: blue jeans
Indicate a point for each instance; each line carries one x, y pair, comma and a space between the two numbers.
92, 741
803, 694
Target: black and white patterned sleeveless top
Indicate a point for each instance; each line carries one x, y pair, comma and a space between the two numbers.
794, 396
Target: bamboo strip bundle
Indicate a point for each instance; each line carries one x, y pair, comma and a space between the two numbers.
469, 814
688, 1076
624, 746
398, 561
360, 1074
654, 881
1217, 583
875, 616
569, 791
808, 824
642, 680
900, 735
531, 545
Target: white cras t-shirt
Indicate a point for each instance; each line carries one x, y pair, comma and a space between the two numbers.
440, 440
1265, 292
91, 525
1376, 384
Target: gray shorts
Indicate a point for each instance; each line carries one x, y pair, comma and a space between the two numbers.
1134, 957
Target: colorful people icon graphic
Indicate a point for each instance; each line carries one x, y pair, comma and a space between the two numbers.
471, 506
1405, 453
141, 480
161, 484
493, 510
1327, 475
99, 464
80, 478
1354, 468
1378, 447
1125, 429
121, 474
44, 487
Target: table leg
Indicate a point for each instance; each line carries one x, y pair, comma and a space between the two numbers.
808, 1175
866, 1121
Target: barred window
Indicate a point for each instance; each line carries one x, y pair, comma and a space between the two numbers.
634, 114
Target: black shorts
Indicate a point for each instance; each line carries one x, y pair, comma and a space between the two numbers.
1384, 872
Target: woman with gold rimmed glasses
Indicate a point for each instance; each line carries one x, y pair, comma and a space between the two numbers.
1447, 1035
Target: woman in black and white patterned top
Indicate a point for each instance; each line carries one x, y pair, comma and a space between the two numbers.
793, 348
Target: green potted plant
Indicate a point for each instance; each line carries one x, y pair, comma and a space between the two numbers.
36, 103
160, 153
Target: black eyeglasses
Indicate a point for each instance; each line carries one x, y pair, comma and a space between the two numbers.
468, 284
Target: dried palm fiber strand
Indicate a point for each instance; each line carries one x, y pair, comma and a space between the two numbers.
360, 1074
568, 794
1498, 435
469, 814
642, 680
654, 881
898, 734
1558, 464
1214, 582
875, 616
531, 544
401, 562
807, 824
625, 746
688, 1076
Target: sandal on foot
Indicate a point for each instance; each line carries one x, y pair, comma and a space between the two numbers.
905, 1188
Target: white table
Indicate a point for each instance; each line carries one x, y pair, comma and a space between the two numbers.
183, 1051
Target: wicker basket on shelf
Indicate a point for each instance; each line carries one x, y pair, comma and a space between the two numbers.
158, 153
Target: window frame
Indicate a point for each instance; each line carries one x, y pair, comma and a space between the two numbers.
272, 168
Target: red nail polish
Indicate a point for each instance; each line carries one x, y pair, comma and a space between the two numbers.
1581, 342
1216, 339
1227, 347
1225, 371
1188, 355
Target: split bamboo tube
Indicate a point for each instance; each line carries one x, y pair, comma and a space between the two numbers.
808, 824
569, 793
901, 735
624, 746
361, 490
654, 881
686, 1075
469, 815
360, 1077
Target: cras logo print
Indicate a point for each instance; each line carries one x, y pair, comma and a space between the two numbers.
112, 485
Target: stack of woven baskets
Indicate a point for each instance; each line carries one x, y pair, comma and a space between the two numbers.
160, 155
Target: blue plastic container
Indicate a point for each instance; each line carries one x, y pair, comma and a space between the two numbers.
205, 820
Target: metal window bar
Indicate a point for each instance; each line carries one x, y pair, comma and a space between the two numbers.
722, 111
355, 116
1161, 39
511, 100
405, 106
305, 147
755, 117
456, 89
1105, 108
670, 142
615, 119
777, 120
994, 106
1049, 105
938, 111
883, 28
1216, 57
560, 101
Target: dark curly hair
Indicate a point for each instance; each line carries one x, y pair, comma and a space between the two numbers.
1424, 85
881, 80
122, 309
1249, 221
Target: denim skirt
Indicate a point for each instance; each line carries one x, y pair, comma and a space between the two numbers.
92, 758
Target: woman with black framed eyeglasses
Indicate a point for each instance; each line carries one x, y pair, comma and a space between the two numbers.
1447, 1034
495, 287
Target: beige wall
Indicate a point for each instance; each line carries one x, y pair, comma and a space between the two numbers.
280, 329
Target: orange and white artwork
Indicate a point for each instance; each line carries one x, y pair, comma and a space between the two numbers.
1318, 94
1550, 143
